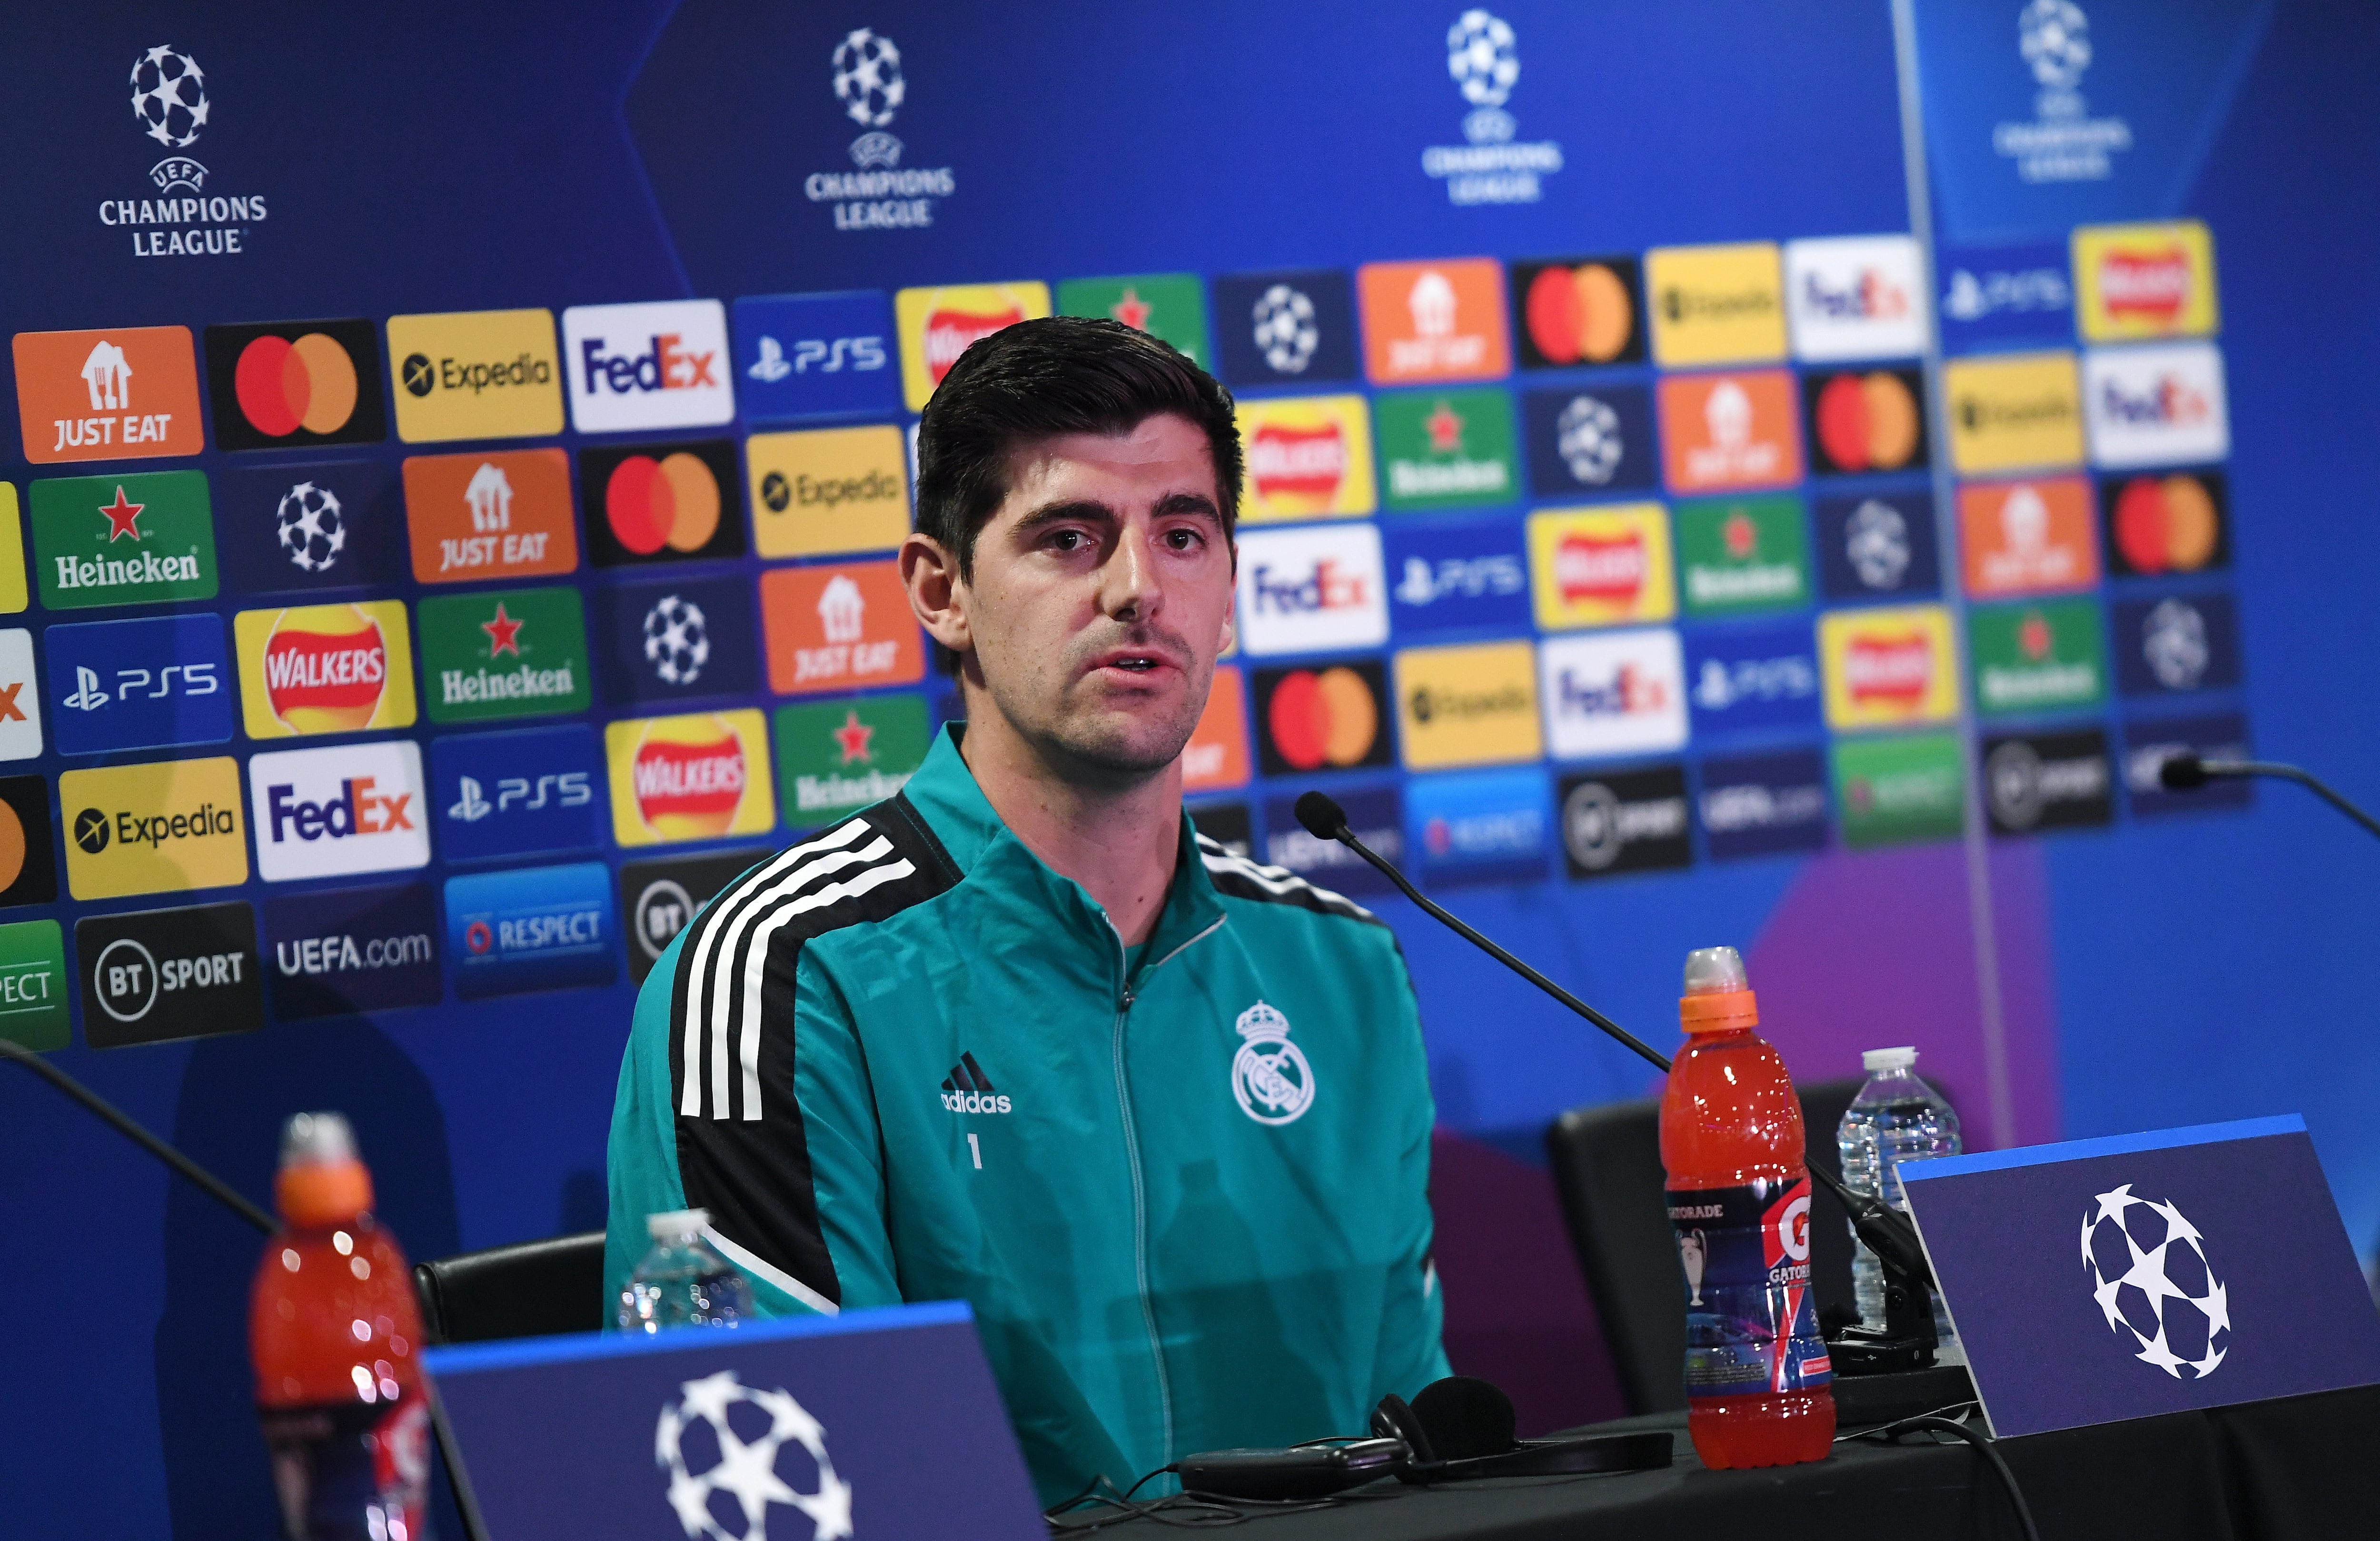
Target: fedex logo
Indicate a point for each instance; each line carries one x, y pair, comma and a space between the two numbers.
1325, 586
356, 808
1612, 693
2155, 406
1856, 296
1312, 590
662, 365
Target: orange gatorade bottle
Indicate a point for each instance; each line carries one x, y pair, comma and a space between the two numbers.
333, 1330
1756, 1372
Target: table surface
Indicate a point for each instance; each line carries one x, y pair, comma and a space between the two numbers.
2276, 1471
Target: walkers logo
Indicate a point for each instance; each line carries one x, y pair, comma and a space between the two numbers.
474, 375
2044, 657
170, 107
1716, 304
516, 793
1483, 57
1859, 423
1307, 456
661, 364
14, 597
828, 491
324, 813
2178, 523
842, 627
1450, 449
689, 777
1763, 677
111, 394
1375, 818
1893, 791
815, 356
937, 325
1308, 590
518, 652
2177, 642
1764, 805
1740, 556
288, 384
679, 641
505, 513
1721, 432
352, 950
144, 539
1286, 328
2048, 781
1591, 440
549, 927
1577, 311
835, 757
678, 501
1217, 755
20, 701
659, 898
1327, 718
2148, 744
1616, 693
1992, 293
2155, 406
33, 1011
1634, 821
328, 668
2014, 412
1887, 666
1170, 307
1427, 322
2024, 537
325, 524
156, 976
1468, 706
153, 829
2141, 281
1856, 296
29, 868
1490, 827
1600, 566
1468, 577
136, 685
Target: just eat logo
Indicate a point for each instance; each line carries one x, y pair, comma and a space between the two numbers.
660, 365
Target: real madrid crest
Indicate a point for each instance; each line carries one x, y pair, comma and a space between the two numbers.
1270, 1075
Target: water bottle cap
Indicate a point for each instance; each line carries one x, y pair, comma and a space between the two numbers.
316, 1139
1718, 992
1875, 1059
1715, 969
676, 1222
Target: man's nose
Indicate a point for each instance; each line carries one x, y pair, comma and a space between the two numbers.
1128, 584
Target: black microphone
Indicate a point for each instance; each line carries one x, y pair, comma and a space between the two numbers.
2188, 773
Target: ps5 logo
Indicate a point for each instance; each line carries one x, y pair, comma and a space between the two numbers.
828, 355
569, 789
198, 679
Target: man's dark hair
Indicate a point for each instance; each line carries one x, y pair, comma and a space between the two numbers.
1039, 378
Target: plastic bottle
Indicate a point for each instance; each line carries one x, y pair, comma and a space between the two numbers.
1757, 1377
1896, 1118
334, 1329
682, 1282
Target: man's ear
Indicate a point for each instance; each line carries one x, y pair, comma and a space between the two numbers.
938, 595
1230, 637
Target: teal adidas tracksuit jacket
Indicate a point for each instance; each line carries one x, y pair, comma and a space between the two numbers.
903, 1060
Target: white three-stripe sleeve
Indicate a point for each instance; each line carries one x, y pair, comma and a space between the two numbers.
756, 961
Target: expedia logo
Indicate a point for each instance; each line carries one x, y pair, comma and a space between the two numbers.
1987, 414
1680, 303
826, 492
475, 374
94, 828
422, 375
1469, 706
153, 829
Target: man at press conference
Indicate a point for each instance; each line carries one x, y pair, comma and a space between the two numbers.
1019, 1036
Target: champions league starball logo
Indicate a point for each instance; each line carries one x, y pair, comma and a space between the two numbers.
169, 96
2150, 1276
170, 105
1270, 1077
729, 1449
868, 85
2063, 142
1483, 58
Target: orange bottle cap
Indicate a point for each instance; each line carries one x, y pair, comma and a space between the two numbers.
323, 1193
1718, 1011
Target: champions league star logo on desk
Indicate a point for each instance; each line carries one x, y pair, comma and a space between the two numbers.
2165, 1293
1269, 1075
700, 1430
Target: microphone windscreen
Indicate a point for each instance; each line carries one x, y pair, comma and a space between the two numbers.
1321, 814
2182, 773
1465, 1417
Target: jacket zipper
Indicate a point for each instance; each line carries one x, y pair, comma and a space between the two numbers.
1139, 1189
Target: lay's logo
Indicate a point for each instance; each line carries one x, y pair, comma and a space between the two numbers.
937, 325
2144, 281
695, 777
1307, 456
329, 668
1887, 666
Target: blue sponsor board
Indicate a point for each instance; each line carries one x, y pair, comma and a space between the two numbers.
1286, 328
2172, 644
1750, 677
2004, 294
1763, 805
311, 525
547, 927
517, 793
817, 356
339, 952
1452, 577
670, 642
2148, 744
1588, 439
1377, 817
1878, 546
1487, 826
139, 684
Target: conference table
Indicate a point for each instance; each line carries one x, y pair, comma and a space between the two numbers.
2276, 1471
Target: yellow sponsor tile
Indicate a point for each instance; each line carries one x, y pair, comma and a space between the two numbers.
694, 777
153, 829
829, 490
324, 668
1888, 667
2134, 281
474, 375
1468, 705
1602, 567
1308, 457
1716, 304
13, 597
2014, 412
938, 324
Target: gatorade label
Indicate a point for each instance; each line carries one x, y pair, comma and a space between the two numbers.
1752, 1325
351, 1470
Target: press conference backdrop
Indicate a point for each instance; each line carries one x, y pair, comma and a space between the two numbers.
460, 456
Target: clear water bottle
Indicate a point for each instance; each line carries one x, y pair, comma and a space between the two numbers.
682, 1282
1895, 1118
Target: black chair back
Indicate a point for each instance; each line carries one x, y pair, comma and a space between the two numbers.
529, 1290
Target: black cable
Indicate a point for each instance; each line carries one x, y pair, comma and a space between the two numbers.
1985, 1445
2292, 773
107, 1113
1186, 1511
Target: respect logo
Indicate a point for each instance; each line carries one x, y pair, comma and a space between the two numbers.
664, 364
2141, 281
505, 513
549, 927
939, 324
695, 777
153, 829
108, 394
1600, 566
284, 385
828, 491
331, 668
1307, 458
2014, 412
1887, 666
1716, 304
839, 629
474, 375
144, 539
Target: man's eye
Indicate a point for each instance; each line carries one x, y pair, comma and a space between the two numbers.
1182, 540
1066, 540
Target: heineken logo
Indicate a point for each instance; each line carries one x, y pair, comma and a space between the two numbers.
131, 539
518, 653
1743, 554
1447, 449
836, 757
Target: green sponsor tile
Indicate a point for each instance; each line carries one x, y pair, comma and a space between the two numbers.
1738, 556
1891, 791
836, 757
1446, 449
2044, 655
480, 667
33, 985
142, 538
1172, 305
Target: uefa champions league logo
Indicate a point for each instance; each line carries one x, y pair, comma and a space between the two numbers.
724, 1478
677, 640
2054, 37
1483, 59
310, 527
2063, 142
868, 83
2150, 1277
169, 96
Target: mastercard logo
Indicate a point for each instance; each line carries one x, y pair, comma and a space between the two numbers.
689, 777
1579, 315
2167, 524
1868, 422
283, 386
670, 502
1325, 718
12, 847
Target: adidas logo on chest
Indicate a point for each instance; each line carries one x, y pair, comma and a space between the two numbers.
968, 1090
